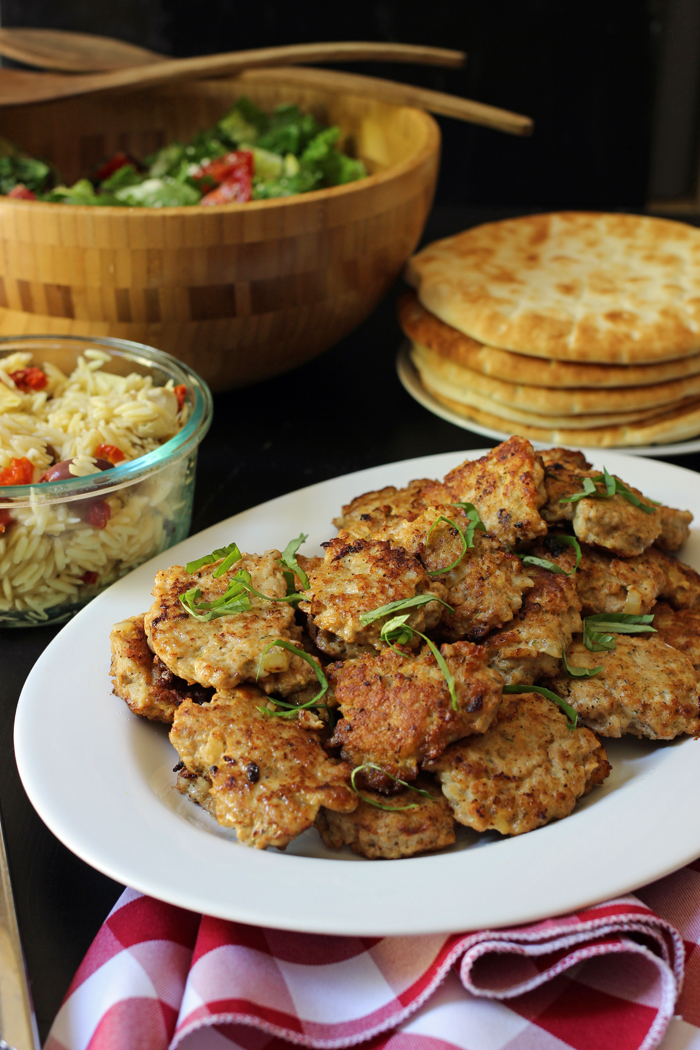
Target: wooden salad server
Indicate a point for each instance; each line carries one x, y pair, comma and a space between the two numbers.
18, 87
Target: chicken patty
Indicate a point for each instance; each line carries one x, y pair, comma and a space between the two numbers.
532, 646
389, 834
528, 769
681, 587
267, 776
485, 587
646, 688
359, 577
365, 514
679, 628
607, 584
142, 680
507, 488
397, 709
226, 651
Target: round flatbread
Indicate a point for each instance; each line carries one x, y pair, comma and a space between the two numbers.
544, 401
574, 286
664, 429
428, 331
437, 384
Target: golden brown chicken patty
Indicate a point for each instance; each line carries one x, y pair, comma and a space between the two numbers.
607, 584
681, 587
646, 688
675, 528
569, 457
507, 488
526, 770
359, 577
679, 628
397, 709
367, 513
614, 524
268, 777
532, 645
401, 832
227, 651
485, 587
142, 680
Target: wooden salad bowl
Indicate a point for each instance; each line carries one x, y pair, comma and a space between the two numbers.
238, 291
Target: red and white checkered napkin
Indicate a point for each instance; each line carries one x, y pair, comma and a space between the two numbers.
607, 977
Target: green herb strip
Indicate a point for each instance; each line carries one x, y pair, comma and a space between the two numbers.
613, 486
579, 672
475, 521
230, 554
530, 559
235, 598
398, 631
395, 607
379, 805
293, 708
595, 627
566, 708
289, 559
462, 536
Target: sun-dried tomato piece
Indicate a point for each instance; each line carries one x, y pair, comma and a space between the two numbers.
89, 578
29, 379
99, 514
19, 472
180, 392
5, 519
109, 452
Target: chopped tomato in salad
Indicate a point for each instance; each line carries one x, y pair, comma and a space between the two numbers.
5, 520
180, 392
22, 193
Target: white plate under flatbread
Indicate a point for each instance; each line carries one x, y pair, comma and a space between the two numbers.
574, 286
426, 330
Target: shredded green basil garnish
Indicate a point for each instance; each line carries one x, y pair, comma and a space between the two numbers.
595, 627
234, 600
293, 708
571, 541
395, 607
613, 486
475, 521
462, 536
579, 672
398, 632
371, 802
566, 708
289, 559
230, 554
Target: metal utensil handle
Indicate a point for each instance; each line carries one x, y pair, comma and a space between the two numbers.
17, 1021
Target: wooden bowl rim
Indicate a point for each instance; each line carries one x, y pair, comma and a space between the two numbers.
429, 146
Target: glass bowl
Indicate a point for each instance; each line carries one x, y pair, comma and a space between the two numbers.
64, 541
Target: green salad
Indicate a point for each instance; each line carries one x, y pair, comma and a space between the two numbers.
247, 155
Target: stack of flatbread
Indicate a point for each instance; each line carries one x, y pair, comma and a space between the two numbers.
575, 328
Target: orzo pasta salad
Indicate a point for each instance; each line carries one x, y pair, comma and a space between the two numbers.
61, 543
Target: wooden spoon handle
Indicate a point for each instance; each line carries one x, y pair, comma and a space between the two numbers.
403, 94
20, 88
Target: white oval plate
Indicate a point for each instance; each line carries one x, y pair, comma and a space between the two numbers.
411, 382
102, 779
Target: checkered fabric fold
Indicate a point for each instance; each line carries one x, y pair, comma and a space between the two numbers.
607, 978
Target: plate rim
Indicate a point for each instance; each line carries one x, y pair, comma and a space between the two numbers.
382, 881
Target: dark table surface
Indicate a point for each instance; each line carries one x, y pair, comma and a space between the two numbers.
343, 412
